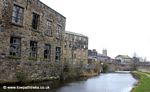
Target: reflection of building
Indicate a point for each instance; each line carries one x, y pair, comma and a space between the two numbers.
123, 59
75, 48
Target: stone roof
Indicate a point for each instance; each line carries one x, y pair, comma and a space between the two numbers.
123, 56
73, 33
103, 56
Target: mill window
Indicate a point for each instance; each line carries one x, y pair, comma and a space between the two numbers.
33, 49
35, 20
49, 28
47, 51
58, 33
58, 54
17, 15
15, 46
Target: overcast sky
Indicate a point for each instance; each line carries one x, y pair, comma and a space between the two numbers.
120, 26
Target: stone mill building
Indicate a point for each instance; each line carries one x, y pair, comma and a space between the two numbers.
75, 49
30, 39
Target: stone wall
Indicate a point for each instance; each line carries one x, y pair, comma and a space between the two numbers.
16, 70
1, 8
1, 14
143, 68
119, 67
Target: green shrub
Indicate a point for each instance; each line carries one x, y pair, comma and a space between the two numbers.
105, 67
21, 76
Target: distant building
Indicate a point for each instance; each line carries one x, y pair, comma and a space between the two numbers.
103, 58
123, 59
92, 55
104, 52
143, 63
75, 49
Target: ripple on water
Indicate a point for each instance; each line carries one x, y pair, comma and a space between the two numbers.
110, 82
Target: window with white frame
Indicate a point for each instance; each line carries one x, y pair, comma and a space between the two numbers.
17, 15
15, 46
33, 49
58, 32
47, 51
58, 54
49, 28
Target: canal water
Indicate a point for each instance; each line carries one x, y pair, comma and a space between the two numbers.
109, 82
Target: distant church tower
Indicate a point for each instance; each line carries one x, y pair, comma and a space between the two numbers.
105, 52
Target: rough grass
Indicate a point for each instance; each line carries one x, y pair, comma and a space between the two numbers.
144, 82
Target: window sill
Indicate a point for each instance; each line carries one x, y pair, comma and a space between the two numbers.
48, 35
85, 48
58, 38
57, 61
15, 24
35, 30
45, 59
32, 58
14, 57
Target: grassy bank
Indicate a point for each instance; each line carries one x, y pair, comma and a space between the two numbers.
144, 82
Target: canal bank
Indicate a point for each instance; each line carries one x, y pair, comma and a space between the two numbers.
143, 84
51, 84
16, 72
69, 75
105, 82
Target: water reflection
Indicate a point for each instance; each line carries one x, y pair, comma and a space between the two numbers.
111, 82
